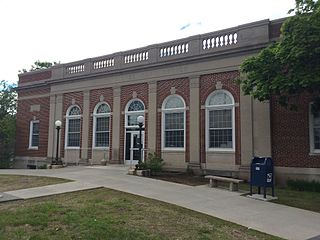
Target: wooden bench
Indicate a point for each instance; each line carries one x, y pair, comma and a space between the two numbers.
233, 183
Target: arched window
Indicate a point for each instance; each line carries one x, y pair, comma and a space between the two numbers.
173, 123
134, 109
101, 125
73, 127
220, 121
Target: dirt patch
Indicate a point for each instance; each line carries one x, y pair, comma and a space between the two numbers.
182, 177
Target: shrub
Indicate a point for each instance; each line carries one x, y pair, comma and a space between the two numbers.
302, 185
154, 163
141, 166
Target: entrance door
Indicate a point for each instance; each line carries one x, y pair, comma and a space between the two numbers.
132, 147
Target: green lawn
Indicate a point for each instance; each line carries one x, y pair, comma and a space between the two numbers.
109, 214
300, 199
16, 182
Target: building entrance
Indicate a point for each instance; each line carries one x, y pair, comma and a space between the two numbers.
132, 147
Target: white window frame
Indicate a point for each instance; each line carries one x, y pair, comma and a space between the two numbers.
311, 132
31, 135
219, 107
172, 110
67, 127
137, 113
98, 115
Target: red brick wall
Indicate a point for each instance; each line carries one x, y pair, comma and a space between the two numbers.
126, 95
95, 94
163, 90
207, 86
35, 76
67, 102
33, 92
290, 135
24, 116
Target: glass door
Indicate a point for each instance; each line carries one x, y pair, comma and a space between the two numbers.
132, 147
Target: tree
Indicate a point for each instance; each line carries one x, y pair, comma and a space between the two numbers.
39, 65
7, 123
290, 66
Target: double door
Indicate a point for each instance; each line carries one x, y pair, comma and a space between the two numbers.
132, 141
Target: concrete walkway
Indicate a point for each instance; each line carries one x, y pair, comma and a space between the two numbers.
275, 219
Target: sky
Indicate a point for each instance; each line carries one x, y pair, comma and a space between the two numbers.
71, 30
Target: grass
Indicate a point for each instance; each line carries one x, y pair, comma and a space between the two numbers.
16, 182
299, 199
109, 214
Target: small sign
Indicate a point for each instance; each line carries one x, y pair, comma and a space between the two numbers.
258, 168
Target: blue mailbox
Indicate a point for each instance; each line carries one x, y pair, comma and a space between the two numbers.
262, 174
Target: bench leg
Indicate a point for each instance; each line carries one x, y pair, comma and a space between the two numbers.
234, 187
210, 183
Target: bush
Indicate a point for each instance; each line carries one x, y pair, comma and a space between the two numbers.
154, 163
141, 166
302, 185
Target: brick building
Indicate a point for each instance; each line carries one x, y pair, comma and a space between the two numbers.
195, 113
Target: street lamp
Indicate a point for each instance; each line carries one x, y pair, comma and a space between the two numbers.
58, 127
140, 120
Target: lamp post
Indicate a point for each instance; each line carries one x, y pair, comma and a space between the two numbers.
140, 120
58, 127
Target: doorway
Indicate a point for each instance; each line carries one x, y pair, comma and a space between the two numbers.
132, 147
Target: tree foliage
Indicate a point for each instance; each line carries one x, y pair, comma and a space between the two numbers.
8, 98
290, 66
39, 65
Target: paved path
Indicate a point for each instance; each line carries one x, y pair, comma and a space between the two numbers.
275, 219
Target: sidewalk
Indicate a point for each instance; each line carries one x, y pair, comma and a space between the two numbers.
275, 219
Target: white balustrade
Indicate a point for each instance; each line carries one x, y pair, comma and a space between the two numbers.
136, 57
103, 63
220, 41
75, 69
181, 48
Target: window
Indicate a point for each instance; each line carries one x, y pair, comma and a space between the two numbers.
101, 125
314, 132
134, 109
73, 127
220, 121
34, 135
173, 117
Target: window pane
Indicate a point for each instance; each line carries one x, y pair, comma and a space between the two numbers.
35, 140
35, 128
220, 118
103, 108
102, 139
220, 138
220, 98
174, 121
132, 120
74, 125
74, 140
174, 138
174, 102
102, 124
317, 138
316, 120
136, 106
74, 111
